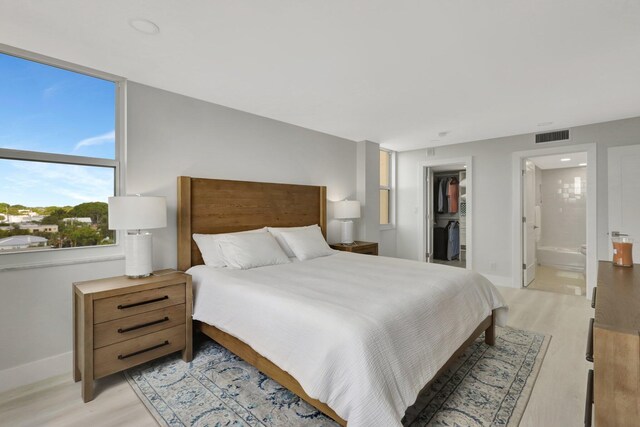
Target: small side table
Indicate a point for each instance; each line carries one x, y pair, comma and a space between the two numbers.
120, 322
368, 248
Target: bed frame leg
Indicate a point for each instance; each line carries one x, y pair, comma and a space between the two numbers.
490, 332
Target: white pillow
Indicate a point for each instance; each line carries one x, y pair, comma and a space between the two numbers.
251, 250
277, 233
210, 250
307, 243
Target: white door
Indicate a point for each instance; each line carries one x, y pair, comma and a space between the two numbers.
429, 214
528, 223
624, 195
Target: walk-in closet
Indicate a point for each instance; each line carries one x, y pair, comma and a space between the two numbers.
449, 217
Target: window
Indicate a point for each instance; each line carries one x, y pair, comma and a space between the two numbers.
58, 156
387, 167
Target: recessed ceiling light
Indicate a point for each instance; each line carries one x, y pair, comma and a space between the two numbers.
582, 164
144, 26
566, 159
545, 123
465, 166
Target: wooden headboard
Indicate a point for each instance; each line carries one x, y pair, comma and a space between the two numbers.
212, 206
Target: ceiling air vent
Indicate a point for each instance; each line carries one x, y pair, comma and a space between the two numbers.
558, 135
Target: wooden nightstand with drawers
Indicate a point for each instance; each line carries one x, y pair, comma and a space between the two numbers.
121, 322
367, 248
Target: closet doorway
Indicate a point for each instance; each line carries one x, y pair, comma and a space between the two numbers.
447, 207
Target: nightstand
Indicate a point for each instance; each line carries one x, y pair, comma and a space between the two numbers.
368, 248
121, 322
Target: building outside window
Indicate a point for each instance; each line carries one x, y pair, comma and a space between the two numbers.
387, 190
58, 156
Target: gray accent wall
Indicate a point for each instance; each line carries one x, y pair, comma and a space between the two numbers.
171, 135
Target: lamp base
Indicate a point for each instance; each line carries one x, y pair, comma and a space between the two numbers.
141, 276
347, 233
138, 255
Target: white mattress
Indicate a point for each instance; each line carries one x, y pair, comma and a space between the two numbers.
361, 333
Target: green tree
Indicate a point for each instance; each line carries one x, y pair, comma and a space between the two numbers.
55, 239
15, 231
51, 209
97, 211
55, 217
83, 235
15, 209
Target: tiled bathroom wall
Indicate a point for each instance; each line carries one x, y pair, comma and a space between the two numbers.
564, 207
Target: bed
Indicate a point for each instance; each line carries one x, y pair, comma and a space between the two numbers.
368, 332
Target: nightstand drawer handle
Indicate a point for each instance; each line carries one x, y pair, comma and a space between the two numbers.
143, 325
135, 353
135, 304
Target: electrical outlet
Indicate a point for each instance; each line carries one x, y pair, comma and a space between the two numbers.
494, 266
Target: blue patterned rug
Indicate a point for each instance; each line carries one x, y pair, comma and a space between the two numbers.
488, 386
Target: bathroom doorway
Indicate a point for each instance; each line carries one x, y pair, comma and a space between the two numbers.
554, 223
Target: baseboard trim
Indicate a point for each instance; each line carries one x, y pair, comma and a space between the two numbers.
504, 281
33, 372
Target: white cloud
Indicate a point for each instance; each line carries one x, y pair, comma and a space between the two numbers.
51, 91
96, 140
44, 184
77, 196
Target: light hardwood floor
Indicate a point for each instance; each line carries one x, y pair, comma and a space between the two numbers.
555, 280
559, 393
557, 399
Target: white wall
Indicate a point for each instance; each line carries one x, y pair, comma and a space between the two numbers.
492, 190
387, 244
35, 319
171, 135
564, 211
168, 135
368, 185
538, 184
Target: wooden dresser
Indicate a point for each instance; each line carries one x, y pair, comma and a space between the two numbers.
121, 322
615, 347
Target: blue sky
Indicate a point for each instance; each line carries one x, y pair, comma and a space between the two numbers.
43, 108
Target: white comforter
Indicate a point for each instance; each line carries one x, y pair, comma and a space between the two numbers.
362, 333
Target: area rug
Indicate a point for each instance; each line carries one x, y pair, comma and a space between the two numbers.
487, 386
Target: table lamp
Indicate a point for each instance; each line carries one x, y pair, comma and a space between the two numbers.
347, 210
133, 214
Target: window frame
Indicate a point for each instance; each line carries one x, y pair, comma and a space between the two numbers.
392, 190
84, 254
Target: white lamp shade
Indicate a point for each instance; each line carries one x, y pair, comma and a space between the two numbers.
137, 212
347, 209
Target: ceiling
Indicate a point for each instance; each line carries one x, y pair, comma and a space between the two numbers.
555, 161
397, 73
